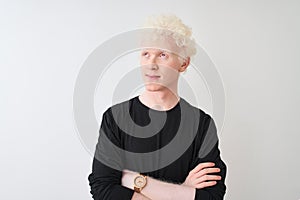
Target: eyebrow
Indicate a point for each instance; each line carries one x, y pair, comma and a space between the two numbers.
158, 50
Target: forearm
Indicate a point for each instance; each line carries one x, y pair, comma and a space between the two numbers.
139, 196
105, 184
159, 190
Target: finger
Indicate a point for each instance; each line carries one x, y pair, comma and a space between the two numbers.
201, 166
208, 178
206, 184
206, 171
212, 177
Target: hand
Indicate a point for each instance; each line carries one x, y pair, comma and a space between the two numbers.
198, 177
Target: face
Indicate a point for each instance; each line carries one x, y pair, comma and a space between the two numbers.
160, 69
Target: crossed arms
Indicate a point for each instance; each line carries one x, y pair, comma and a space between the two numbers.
200, 184
198, 178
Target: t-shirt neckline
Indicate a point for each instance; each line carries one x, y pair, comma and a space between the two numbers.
169, 110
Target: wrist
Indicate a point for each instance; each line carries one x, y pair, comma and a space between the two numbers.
132, 177
139, 182
128, 178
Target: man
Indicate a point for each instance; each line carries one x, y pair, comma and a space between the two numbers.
195, 171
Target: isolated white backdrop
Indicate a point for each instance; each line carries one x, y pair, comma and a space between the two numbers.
255, 46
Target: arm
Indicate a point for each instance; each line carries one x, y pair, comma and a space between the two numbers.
159, 190
209, 152
198, 178
105, 181
199, 184
218, 189
139, 196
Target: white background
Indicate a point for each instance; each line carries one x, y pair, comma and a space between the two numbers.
255, 46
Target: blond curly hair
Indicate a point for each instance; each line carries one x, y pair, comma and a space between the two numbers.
166, 26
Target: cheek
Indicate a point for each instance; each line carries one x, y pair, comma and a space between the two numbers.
171, 66
142, 63
174, 63
169, 73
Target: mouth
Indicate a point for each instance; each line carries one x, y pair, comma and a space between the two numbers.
152, 77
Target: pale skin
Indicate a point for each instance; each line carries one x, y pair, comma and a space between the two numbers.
160, 70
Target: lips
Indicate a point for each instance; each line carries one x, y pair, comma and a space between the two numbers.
152, 76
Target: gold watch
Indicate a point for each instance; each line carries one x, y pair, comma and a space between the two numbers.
139, 182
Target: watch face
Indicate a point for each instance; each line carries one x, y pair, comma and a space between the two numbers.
140, 181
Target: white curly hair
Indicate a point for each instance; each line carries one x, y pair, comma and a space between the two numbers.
166, 26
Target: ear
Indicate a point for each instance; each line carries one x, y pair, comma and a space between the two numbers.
185, 64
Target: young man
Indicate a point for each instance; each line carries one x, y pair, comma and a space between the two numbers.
191, 175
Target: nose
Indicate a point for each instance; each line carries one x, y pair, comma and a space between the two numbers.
152, 64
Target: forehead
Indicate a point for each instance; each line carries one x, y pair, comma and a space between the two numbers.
155, 50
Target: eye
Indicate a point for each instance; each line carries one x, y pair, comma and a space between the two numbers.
145, 54
163, 55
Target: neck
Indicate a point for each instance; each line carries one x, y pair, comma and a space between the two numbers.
159, 100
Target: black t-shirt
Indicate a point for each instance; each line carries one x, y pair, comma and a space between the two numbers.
181, 137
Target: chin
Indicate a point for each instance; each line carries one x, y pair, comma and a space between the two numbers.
153, 87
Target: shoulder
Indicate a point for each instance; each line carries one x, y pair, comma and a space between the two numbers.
203, 121
203, 115
119, 109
